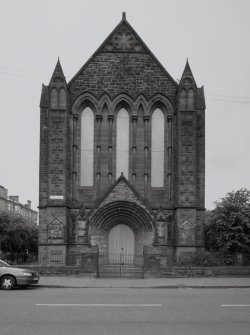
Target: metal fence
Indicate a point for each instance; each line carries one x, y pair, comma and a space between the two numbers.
120, 259
51, 258
120, 265
20, 257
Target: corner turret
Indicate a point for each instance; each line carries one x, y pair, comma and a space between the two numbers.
187, 90
58, 75
187, 79
58, 88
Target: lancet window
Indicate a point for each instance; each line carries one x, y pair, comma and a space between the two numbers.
122, 143
87, 147
157, 148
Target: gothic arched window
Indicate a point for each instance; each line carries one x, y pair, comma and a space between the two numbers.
122, 143
182, 99
87, 147
54, 98
157, 149
190, 99
62, 98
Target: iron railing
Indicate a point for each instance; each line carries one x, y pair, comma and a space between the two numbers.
120, 259
52, 258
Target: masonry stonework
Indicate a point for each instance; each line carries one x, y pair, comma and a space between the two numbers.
120, 221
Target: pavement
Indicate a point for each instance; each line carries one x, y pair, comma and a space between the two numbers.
83, 282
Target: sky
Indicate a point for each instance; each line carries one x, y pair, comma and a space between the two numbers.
212, 34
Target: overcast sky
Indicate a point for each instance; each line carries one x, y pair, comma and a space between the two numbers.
212, 34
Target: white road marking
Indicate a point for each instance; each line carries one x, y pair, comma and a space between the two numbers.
102, 305
239, 305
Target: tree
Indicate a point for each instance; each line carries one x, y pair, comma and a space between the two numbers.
228, 225
4, 223
16, 235
4, 220
33, 240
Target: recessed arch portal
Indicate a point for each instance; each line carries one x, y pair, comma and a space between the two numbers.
122, 212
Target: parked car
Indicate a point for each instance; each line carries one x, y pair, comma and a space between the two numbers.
11, 277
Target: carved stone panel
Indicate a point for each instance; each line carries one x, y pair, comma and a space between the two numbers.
56, 232
123, 40
186, 234
81, 226
163, 223
161, 228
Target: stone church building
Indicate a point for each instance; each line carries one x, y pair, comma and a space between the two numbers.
122, 162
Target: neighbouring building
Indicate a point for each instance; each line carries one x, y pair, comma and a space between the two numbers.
11, 204
122, 162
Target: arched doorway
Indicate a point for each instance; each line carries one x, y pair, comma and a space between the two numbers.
121, 245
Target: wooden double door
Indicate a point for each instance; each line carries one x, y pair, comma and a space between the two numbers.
121, 245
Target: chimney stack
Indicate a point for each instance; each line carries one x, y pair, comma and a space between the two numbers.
28, 205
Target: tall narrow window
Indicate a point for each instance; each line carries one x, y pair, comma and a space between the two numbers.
62, 98
87, 147
54, 98
182, 99
157, 150
190, 99
122, 143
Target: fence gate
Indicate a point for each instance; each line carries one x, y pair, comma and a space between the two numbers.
120, 259
120, 265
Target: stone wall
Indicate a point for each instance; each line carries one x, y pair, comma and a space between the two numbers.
172, 272
216, 271
129, 73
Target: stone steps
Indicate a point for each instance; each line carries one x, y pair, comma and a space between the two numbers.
117, 271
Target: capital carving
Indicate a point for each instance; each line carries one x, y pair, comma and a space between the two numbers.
111, 118
75, 117
99, 117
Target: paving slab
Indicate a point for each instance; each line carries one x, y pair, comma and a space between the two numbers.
83, 282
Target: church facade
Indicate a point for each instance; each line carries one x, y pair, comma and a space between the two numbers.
122, 162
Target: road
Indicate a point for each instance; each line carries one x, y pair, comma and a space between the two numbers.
38, 311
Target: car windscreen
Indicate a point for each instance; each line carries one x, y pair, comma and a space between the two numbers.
4, 264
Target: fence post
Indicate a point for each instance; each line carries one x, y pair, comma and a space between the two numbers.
120, 265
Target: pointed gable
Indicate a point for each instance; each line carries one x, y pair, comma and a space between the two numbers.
58, 88
122, 190
57, 75
121, 199
123, 39
189, 95
123, 63
187, 79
